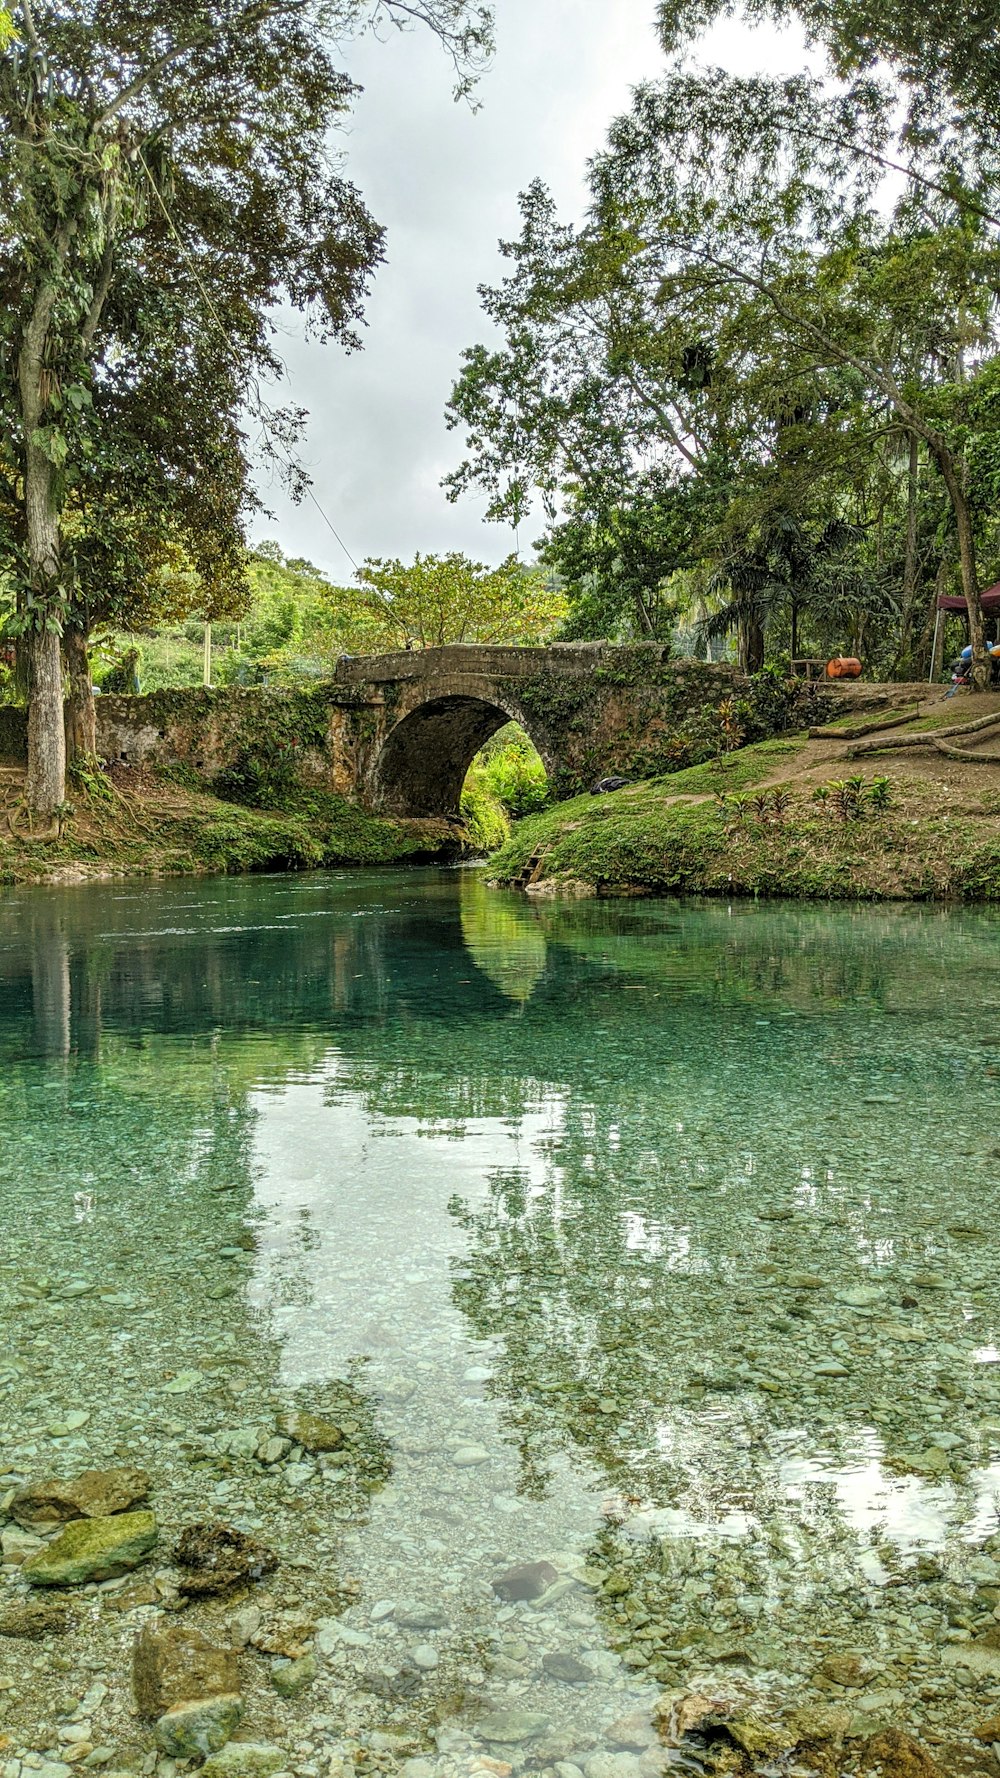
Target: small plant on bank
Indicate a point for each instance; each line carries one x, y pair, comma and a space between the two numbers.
733, 809
733, 730
851, 798
87, 775
880, 795
781, 802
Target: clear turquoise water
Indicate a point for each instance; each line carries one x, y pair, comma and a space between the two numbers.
658, 1242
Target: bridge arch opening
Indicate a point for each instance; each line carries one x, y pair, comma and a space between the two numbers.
424, 763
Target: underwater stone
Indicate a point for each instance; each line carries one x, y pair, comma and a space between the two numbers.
218, 1558
245, 1759
294, 1677
527, 1580
96, 1494
174, 1664
35, 1621
510, 1727
195, 1730
310, 1431
93, 1549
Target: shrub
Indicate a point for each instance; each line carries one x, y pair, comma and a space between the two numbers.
263, 774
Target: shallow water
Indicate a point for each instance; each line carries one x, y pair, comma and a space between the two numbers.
658, 1242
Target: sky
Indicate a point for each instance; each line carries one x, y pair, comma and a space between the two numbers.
444, 180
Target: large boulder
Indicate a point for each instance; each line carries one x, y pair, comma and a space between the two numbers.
175, 1664
93, 1549
96, 1494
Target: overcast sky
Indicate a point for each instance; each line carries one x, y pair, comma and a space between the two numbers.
444, 183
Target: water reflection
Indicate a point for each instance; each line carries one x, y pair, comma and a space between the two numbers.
656, 1241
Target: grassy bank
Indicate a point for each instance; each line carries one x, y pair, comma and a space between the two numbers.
770, 820
140, 824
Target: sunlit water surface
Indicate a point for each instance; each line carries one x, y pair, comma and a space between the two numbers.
658, 1242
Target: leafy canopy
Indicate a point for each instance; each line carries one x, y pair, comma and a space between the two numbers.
434, 600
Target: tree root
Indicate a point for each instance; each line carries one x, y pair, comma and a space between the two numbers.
976, 759
925, 738
877, 726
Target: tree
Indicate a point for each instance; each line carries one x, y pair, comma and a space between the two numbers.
616, 560
739, 309
435, 600
166, 179
722, 193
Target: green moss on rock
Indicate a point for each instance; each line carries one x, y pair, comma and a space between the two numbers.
93, 1550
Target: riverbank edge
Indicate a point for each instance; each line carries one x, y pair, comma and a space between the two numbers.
699, 832
118, 829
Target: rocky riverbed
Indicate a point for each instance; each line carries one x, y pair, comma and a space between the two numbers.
385, 1389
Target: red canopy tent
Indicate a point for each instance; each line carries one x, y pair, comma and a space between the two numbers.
989, 598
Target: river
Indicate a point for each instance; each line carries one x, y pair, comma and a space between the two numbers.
654, 1244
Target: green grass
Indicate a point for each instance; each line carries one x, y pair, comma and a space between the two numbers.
732, 772
645, 841
188, 833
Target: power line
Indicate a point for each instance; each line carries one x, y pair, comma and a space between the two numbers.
265, 414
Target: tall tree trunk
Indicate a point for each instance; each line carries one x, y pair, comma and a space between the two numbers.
81, 716
911, 564
46, 782
967, 559
45, 789
751, 644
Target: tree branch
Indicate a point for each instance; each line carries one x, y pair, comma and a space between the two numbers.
143, 80
101, 290
29, 26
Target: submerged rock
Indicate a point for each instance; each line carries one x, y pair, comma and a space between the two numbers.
567, 1667
294, 1677
93, 1549
511, 1727
893, 1754
245, 1759
174, 1664
36, 1620
527, 1580
196, 1730
17, 1546
310, 1431
96, 1494
217, 1558
420, 1617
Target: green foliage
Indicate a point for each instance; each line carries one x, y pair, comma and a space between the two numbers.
511, 769
485, 817
264, 773
801, 359
166, 183
506, 781
435, 600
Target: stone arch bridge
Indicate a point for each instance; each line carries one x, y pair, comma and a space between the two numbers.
589, 709
398, 732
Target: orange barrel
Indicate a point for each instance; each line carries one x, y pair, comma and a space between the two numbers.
843, 667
